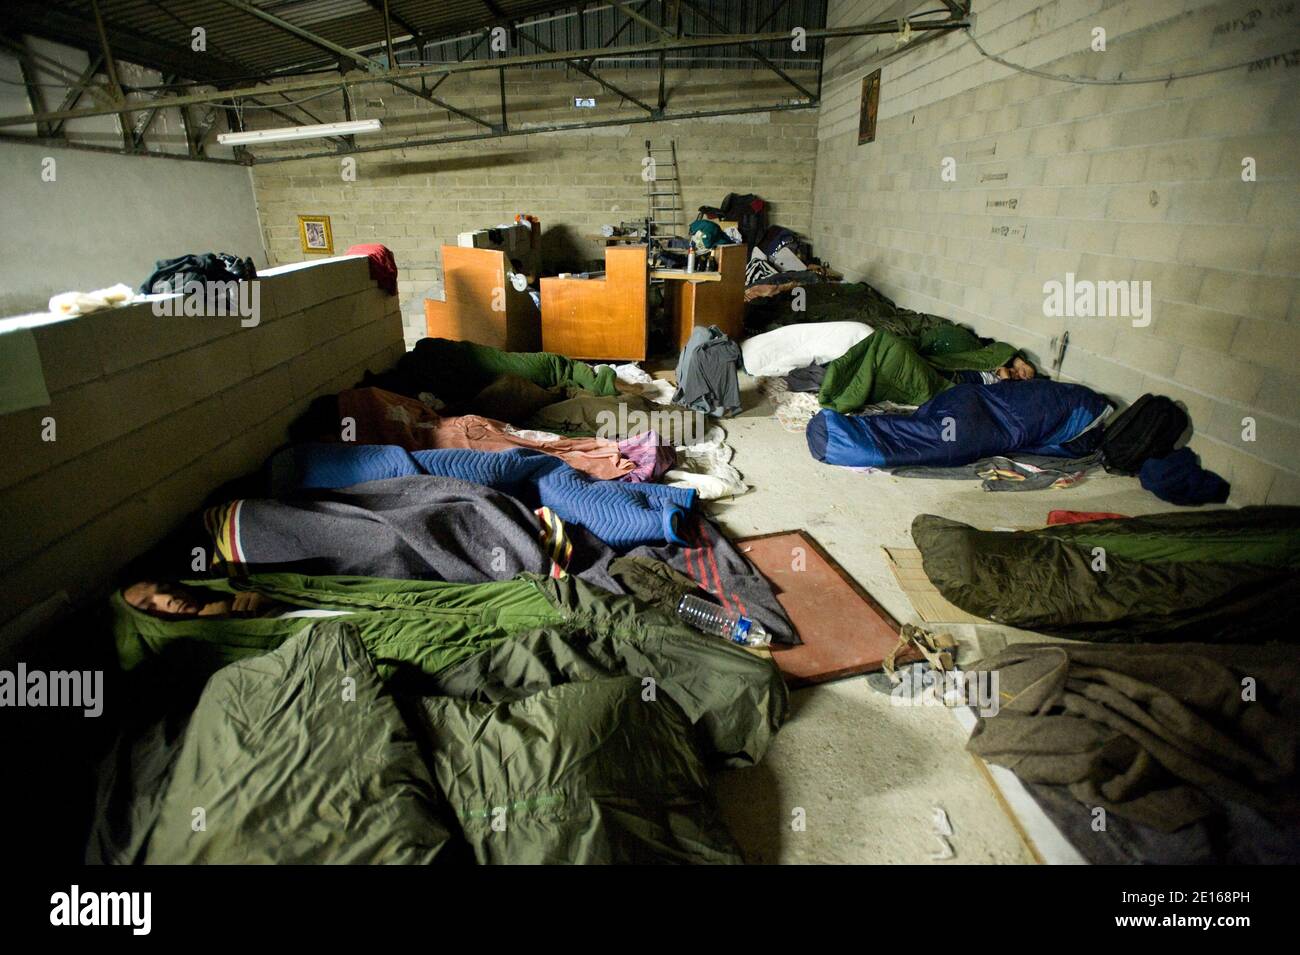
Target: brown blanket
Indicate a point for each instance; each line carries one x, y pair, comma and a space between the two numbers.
383, 417
1160, 734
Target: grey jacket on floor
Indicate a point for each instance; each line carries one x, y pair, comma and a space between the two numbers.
706, 373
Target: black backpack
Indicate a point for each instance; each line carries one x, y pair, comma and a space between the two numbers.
1148, 428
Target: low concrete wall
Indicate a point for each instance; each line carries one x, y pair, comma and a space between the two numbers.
151, 413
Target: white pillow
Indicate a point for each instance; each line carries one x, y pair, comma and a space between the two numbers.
797, 346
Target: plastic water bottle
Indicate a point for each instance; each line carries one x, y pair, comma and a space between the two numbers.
708, 617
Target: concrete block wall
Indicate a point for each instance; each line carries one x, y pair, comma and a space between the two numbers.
415, 200
153, 413
1109, 182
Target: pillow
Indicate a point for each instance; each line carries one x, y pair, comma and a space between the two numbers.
797, 346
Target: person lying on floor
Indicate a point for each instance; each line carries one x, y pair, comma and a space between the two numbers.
885, 367
1018, 369
174, 601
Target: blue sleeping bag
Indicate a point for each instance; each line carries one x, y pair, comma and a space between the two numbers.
966, 423
621, 514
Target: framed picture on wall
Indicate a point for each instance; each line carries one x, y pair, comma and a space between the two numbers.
314, 231
870, 106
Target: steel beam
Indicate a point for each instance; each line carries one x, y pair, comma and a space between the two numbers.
114, 84
390, 15
359, 59
555, 128
753, 52
144, 122
32, 84
640, 18
83, 83
586, 71
111, 150
505, 122
306, 35
460, 59
191, 147
50, 22
442, 104
474, 66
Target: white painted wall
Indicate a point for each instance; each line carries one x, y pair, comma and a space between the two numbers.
106, 219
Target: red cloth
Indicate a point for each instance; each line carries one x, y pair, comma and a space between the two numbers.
1079, 517
383, 267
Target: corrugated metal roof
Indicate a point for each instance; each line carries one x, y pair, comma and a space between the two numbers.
159, 33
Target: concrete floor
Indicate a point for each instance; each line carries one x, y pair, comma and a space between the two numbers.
865, 772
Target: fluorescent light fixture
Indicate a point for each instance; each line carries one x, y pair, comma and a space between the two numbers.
285, 133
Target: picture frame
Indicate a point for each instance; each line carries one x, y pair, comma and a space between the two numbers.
315, 234
870, 108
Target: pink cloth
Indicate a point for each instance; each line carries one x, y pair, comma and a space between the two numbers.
652, 459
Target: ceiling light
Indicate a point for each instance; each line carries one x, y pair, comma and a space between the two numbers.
285, 133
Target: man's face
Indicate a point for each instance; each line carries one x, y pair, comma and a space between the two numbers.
1021, 369
169, 599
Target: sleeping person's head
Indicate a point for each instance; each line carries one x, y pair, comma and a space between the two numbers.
166, 599
177, 600
1018, 369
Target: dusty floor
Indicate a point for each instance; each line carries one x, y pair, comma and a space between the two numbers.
867, 773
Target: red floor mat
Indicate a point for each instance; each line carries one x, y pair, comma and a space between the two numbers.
844, 630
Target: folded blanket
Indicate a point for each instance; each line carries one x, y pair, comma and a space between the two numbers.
964, 424
620, 514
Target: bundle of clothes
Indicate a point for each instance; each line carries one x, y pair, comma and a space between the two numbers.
442, 625
923, 396
1166, 728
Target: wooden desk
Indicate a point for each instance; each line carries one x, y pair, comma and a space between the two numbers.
482, 306
708, 298
682, 275
605, 318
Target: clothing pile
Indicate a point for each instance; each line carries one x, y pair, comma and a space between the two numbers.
430, 634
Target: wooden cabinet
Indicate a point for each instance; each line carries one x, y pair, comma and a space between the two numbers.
481, 305
600, 318
708, 298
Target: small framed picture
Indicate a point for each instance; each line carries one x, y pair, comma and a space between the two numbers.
870, 106
314, 231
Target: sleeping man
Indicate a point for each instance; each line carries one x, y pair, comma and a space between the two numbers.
885, 367
172, 600
1018, 369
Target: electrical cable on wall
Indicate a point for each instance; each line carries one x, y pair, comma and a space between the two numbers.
1061, 78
